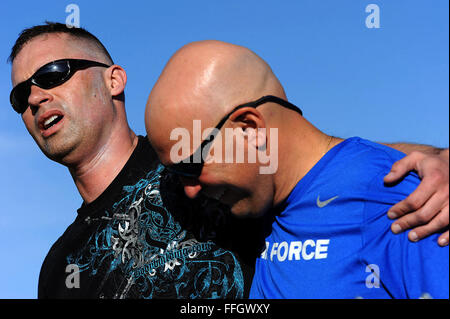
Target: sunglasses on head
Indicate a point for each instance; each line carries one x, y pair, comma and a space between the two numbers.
192, 166
48, 76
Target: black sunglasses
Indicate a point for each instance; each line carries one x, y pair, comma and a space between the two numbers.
192, 166
48, 76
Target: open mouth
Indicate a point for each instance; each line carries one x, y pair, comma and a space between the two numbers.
52, 120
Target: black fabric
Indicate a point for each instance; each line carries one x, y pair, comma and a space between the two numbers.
142, 238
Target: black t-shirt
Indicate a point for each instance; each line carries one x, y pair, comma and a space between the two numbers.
142, 238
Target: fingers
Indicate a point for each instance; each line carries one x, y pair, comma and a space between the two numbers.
416, 200
443, 239
422, 216
403, 166
427, 208
433, 182
439, 222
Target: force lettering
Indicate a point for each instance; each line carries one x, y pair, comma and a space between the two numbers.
297, 250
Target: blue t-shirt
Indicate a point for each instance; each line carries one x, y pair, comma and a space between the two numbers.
333, 238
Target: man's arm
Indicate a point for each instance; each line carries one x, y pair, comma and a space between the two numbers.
427, 208
408, 148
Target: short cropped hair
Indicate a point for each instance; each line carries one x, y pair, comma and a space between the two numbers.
54, 27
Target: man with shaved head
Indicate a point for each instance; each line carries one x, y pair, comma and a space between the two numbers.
325, 204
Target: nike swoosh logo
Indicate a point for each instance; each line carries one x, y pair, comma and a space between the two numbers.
324, 203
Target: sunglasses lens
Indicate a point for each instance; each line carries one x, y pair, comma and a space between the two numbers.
47, 77
51, 75
19, 97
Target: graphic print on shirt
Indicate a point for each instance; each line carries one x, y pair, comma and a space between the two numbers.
141, 240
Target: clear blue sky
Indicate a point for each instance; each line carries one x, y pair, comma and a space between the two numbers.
388, 84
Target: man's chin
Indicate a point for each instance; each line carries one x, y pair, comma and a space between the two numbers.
57, 154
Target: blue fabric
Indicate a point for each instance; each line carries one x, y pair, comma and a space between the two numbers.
346, 248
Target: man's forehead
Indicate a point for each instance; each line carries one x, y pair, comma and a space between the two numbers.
42, 50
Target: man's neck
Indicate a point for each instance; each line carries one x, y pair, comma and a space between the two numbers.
97, 172
306, 145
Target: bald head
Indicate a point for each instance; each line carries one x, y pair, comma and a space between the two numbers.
204, 81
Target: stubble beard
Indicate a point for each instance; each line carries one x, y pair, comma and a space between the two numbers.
61, 145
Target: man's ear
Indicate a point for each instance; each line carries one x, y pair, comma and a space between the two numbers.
116, 80
253, 126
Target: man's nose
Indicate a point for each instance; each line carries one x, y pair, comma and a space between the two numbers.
38, 96
191, 187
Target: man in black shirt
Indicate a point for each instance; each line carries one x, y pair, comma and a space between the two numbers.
125, 242
136, 235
